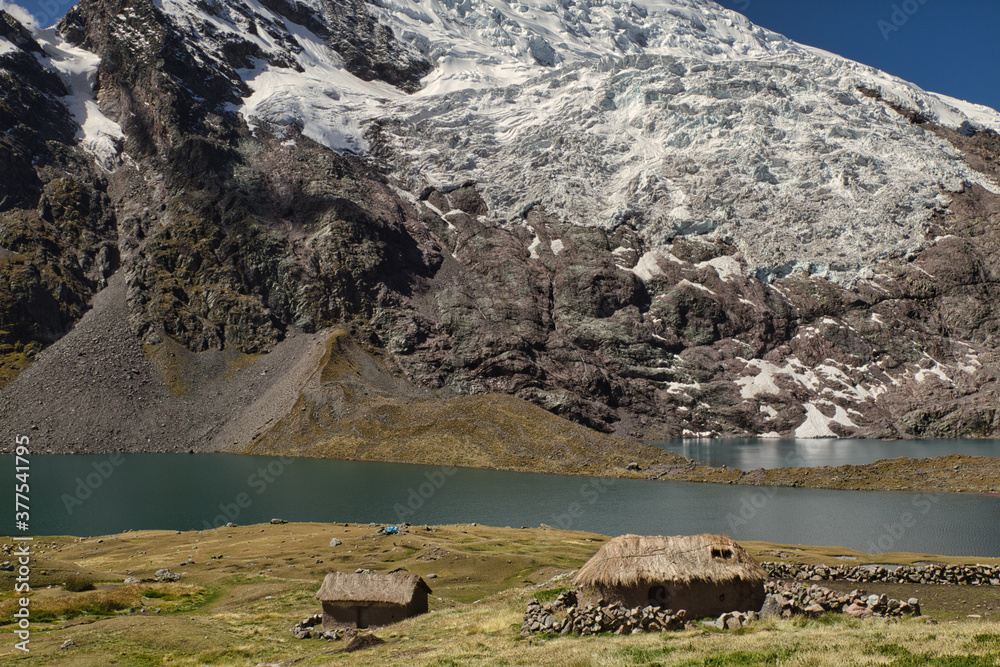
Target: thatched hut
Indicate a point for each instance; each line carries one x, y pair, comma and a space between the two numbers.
371, 599
705, 575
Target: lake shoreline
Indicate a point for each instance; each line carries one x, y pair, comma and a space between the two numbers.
954, 473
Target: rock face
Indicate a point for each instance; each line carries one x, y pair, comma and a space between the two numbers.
486, 224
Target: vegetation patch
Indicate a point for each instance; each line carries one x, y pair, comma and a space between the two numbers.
67, 604
888, 650
637, 655
76, 583
930, 660
550, 594
769, 657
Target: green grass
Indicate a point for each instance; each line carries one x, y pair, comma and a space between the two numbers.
769, 657
929, 660
550, 594
653, 657
889, 651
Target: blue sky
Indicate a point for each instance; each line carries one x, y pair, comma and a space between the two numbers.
945, 46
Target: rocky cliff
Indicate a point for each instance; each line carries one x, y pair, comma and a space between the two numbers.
651, 220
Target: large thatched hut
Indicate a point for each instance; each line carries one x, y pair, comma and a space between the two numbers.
371, 599
705, 575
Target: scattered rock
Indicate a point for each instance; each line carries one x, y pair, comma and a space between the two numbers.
68, 643
166, 575
335, 542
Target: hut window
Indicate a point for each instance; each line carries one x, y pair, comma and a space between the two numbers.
722, 553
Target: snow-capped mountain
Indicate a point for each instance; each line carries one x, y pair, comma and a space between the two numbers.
678, 116
651, 217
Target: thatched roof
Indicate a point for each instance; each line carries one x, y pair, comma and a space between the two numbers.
397, 588
631, 559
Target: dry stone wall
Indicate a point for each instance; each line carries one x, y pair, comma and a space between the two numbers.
970, 575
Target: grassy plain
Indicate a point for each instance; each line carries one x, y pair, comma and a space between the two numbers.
245, 586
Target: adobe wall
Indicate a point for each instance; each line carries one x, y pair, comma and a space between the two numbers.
699, 599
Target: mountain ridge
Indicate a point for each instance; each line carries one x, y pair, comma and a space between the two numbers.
650, 244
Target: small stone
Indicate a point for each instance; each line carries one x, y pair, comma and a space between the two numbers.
814, 609
68, 643
335, 542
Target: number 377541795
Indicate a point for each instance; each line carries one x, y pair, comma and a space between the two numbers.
22, 471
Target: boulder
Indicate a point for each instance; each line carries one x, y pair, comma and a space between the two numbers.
772, 607
855, 610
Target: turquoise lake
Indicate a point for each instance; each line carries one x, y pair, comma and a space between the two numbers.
99, 494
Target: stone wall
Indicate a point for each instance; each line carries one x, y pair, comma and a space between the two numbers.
787, 599
568, 615
971, 575
564, 616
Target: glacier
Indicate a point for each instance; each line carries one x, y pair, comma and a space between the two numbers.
676, 117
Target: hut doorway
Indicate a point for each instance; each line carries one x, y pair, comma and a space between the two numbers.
658, 595
362, 620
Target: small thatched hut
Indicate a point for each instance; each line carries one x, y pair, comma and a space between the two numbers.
363, 600
705, 575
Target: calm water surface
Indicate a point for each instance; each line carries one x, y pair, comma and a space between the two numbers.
750, 453
91, 495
